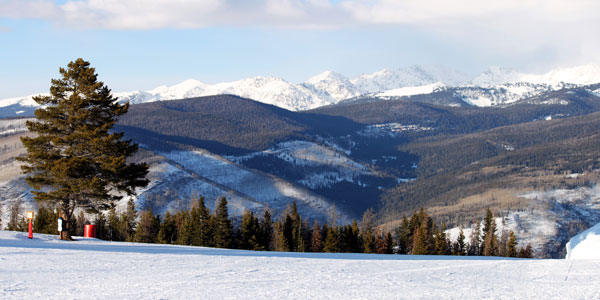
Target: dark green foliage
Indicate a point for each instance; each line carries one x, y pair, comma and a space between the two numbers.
148, 227
168, 230
74, 160
250, 232
290, 233
185, 228
115, 227
490, 240
459, 247
266, 230
512, 245
45, 221
332, 241
128, 220
223, 228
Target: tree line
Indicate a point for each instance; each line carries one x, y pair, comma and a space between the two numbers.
198, 226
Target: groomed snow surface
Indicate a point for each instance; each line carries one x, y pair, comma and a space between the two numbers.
46, 268
585, 245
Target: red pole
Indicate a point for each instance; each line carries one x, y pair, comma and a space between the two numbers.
30, 230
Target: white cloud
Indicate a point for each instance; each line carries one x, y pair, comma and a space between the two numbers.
565, 29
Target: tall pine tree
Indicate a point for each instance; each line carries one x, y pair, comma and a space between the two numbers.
74, 160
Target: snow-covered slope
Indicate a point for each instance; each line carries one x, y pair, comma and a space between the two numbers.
412, 90
388, 79
337, 86
585, 245
583, 75
46, 268
270, 90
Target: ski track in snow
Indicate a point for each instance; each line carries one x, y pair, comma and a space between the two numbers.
45, 268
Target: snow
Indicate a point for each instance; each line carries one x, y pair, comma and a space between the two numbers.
585, 245
388, 79
505, 86
307, 154
260, 187
23, 101
46, 268
581, 75
412, 90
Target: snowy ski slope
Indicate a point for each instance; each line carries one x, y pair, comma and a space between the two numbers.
45, 268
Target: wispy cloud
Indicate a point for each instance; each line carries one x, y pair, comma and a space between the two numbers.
5, 29
511, 26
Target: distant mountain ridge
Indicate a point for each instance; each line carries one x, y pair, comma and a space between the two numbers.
494, 86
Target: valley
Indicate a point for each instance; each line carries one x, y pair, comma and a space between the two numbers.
443, 151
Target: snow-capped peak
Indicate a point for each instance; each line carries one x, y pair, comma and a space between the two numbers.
585, 74
327, 76
496, 75
388, 79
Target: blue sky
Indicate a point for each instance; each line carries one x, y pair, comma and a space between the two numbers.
142, 44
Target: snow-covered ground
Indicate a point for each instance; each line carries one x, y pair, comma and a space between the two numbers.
585, 245
45, 268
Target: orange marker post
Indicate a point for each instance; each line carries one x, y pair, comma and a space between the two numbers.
30, 218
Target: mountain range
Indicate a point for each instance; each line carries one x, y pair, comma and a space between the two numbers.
494, 86
527, 150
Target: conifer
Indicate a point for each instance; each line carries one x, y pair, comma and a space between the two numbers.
511, 245
223, 227
74, 160
460, 242
45, 221
168, 230
332, 241
148, 227
266, 230
250, 232
128, 220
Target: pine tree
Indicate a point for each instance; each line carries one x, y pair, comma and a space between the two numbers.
332, 241
128, 219
368, 242
388, 244
74, 160
101, 231
419, 246
114, 226
0, 215
511, 245
266, 230
402, 236
184, 234
223, 227
460, 243
490, 243
168, 230
45, 221
250, 232
148, 227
